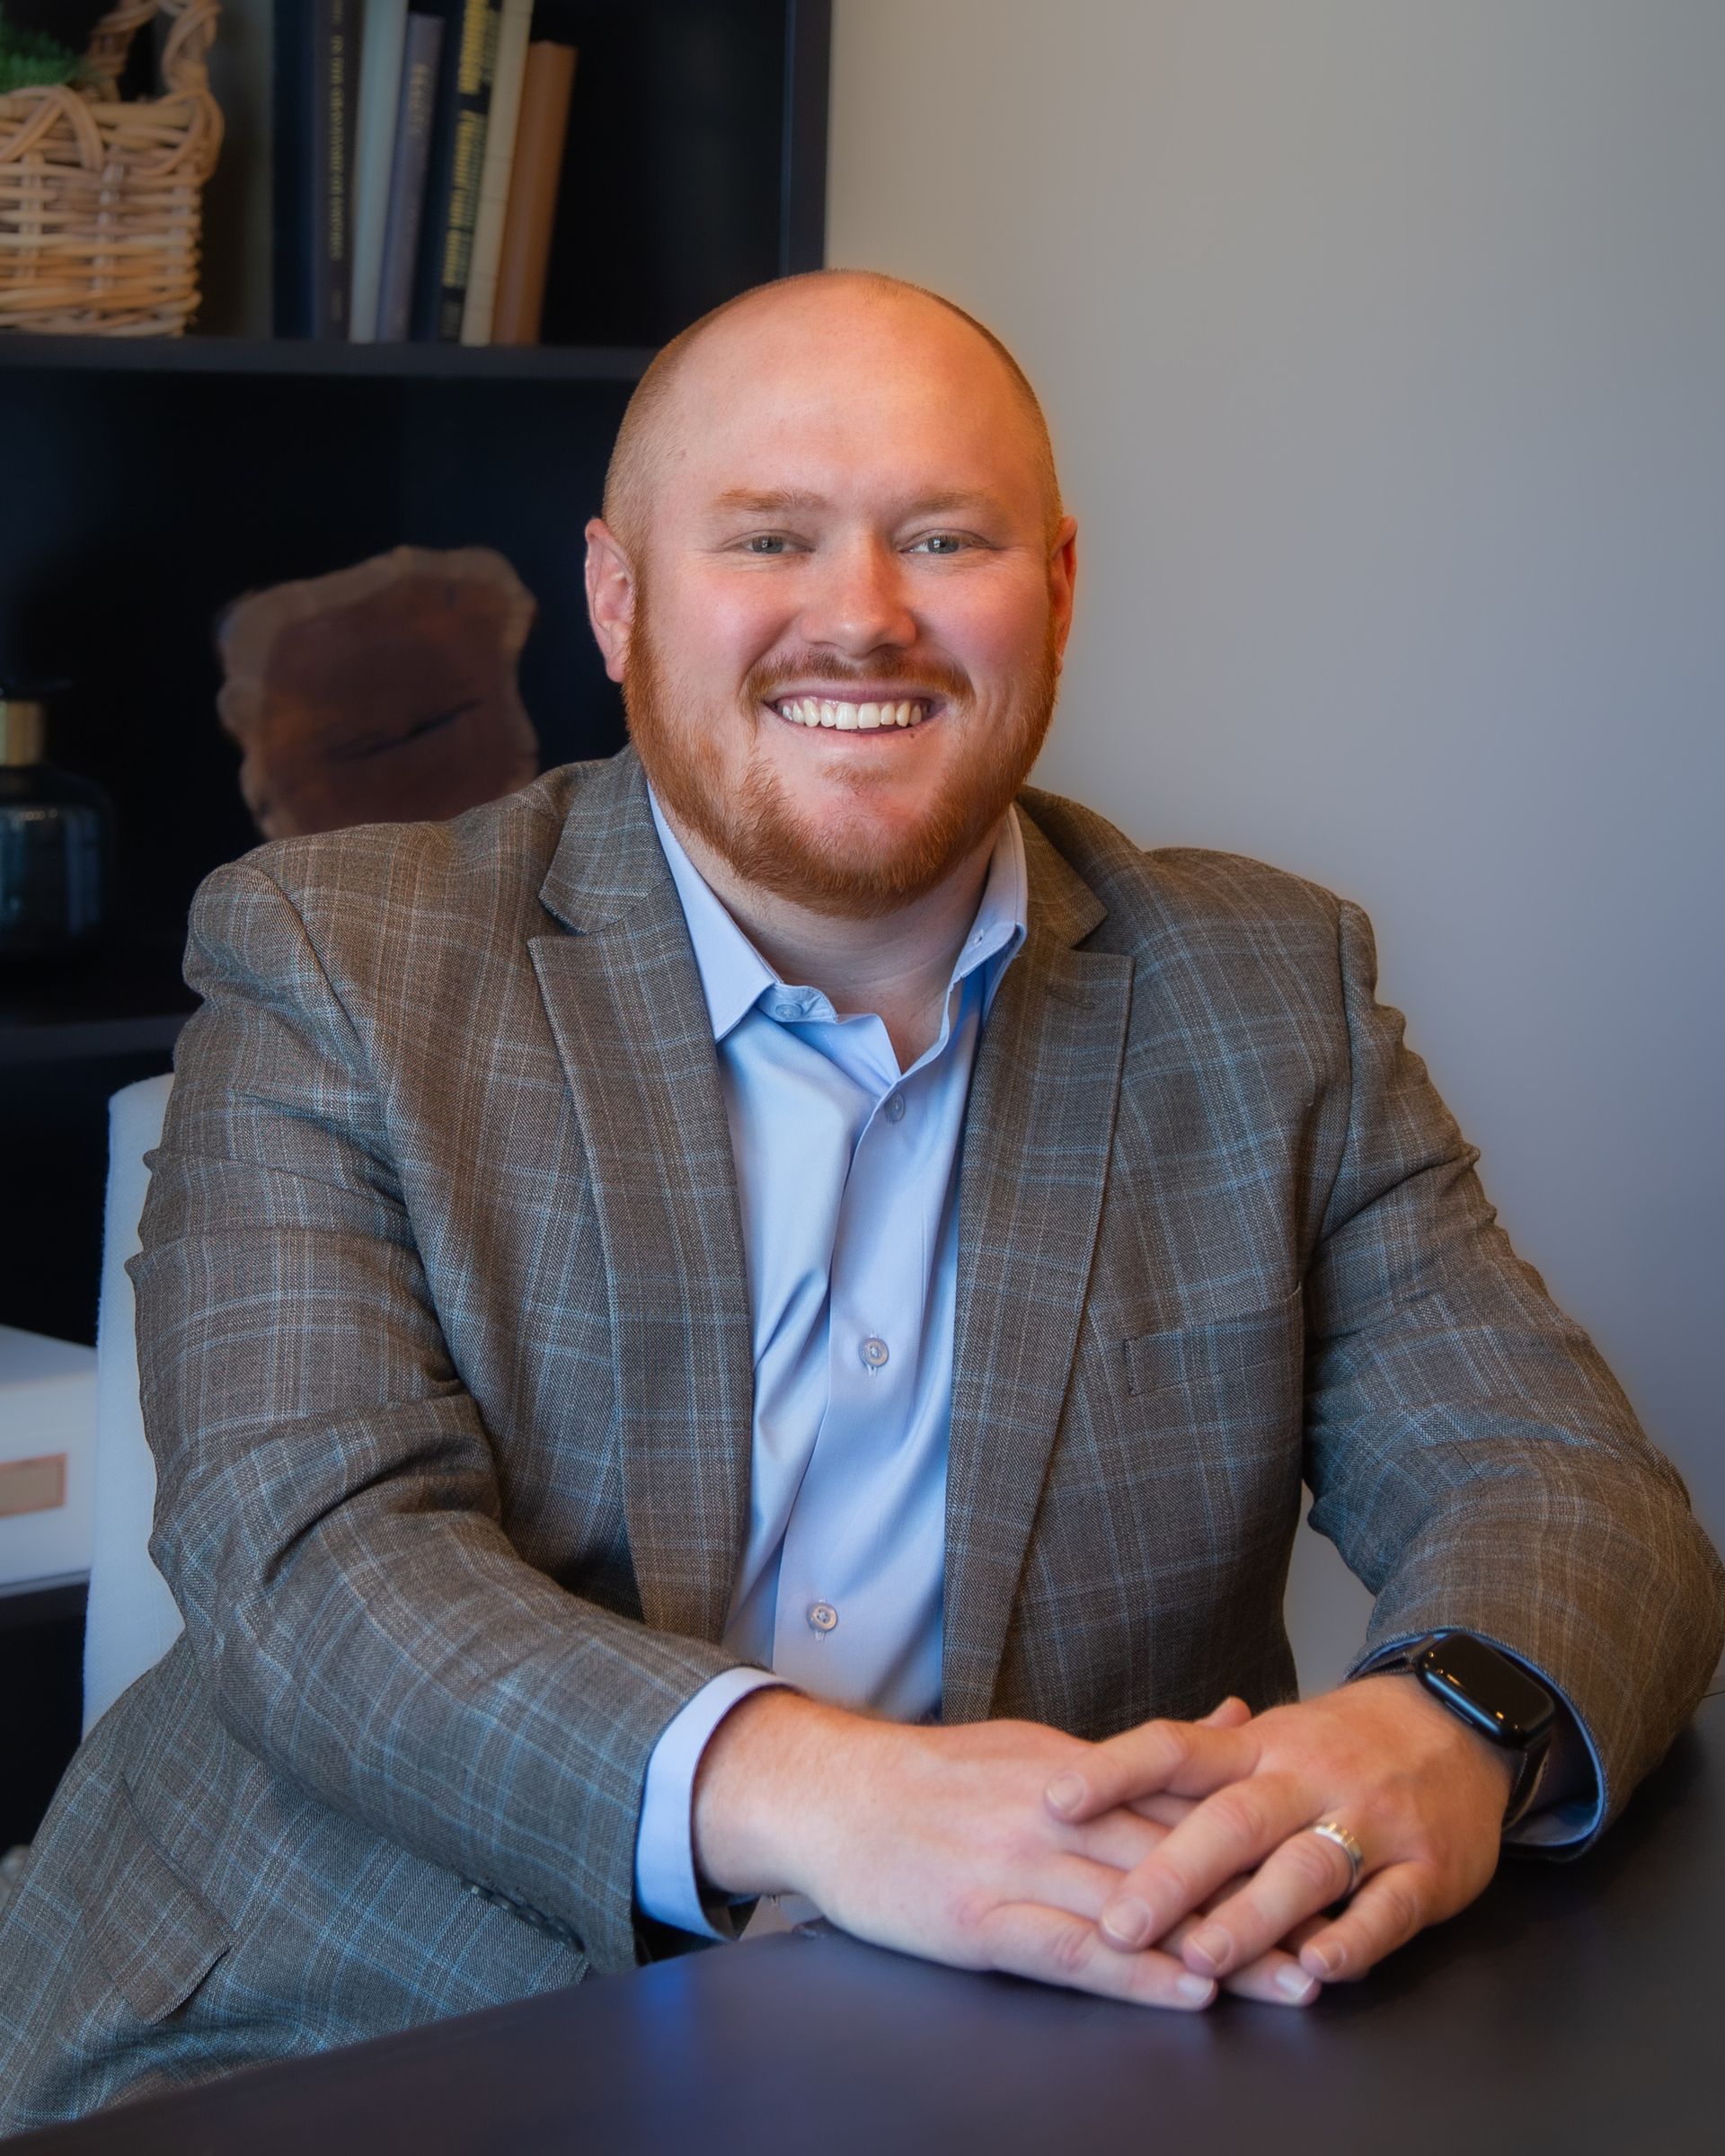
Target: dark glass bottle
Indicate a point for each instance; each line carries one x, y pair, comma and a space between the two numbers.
54, 840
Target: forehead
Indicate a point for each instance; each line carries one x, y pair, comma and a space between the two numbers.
845, 396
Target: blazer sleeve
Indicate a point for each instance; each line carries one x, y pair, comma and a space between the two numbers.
327, 1511
1470, 1453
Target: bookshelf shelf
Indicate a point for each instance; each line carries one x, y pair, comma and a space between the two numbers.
127, 1000
24, 353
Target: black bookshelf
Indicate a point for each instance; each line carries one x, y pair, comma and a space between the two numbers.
299, 358
126, 998
152, 480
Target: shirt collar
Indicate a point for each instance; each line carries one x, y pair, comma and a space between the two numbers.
734, 976
733, 972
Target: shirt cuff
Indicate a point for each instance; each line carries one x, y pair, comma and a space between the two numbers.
665, 1887
1576, 1816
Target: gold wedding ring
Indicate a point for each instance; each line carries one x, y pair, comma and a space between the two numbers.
1333, 1831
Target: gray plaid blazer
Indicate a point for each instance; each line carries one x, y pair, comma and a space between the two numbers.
445, 1356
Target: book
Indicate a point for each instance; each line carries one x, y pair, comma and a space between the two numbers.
234, 268
290, 229
515, 26
333, 177
464, 95
416, 101
315, 47
541, 136
381, 40
474, 86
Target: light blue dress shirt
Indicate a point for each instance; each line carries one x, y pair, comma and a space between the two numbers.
847, 1174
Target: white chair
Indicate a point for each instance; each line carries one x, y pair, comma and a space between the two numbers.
132, 1619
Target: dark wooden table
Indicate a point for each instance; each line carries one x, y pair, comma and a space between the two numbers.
1574, 2008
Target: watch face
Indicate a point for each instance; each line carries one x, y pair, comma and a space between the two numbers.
1487, 1690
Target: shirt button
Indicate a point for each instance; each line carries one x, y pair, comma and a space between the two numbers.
875, 1353
822, 1616
895, 1107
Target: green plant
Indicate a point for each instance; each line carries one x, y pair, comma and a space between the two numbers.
29, 59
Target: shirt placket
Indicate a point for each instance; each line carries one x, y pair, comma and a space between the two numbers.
834, 1625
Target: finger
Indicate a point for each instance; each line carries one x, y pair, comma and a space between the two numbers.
1309, 1928
1026, 1939
1391, 1905
1232, 1834
1078, 1885
1297, 1881
1121, 1839
1275, 1978
1232, 1714
1166, 1811
1184, 1759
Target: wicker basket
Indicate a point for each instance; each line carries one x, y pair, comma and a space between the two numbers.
99, 200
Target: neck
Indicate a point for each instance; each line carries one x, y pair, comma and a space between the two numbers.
897, 965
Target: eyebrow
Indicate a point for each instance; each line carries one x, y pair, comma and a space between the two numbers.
777, 500
769, 502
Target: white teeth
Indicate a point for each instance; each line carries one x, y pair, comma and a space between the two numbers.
850, 717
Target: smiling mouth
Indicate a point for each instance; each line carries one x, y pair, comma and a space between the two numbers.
849, 718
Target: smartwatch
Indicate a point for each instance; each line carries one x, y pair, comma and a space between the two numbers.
1495, 1697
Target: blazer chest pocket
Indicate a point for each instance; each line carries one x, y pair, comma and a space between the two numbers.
1242, 1366
152, 1931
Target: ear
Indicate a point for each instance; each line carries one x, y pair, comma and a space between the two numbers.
610, 595
1063, 579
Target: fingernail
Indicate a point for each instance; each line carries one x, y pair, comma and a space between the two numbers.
1066, 1792
1325, 1961
1209, 1948
1196, 1991
1295, 1985
1127, 1923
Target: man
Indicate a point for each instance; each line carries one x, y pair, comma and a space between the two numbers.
771, 1204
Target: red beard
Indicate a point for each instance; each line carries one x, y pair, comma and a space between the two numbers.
851, 868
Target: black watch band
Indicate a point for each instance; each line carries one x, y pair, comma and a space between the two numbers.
1495, 1697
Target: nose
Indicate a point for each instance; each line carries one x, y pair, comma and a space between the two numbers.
856, 600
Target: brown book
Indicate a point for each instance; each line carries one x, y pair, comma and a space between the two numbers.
540, 136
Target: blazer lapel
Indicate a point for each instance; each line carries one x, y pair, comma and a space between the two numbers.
623, 997
1039, 1131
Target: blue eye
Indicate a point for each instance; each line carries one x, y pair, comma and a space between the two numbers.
942, 543
767, 542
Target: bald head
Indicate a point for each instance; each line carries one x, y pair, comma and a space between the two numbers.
690, 372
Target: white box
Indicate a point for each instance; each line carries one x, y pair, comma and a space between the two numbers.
48, 1446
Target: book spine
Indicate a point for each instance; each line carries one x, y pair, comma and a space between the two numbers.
458, 15
337, 52
421, 61
474, 87
293, 226
514, 27
531, 216
381, 40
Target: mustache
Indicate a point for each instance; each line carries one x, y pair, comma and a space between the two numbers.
933, 677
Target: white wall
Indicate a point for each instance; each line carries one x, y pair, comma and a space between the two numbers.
1384, 344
